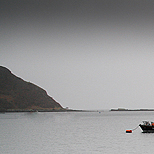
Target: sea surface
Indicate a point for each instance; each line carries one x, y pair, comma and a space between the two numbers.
75, 133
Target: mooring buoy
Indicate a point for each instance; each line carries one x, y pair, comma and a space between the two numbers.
128, 131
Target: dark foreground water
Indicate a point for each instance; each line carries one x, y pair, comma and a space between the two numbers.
77, 133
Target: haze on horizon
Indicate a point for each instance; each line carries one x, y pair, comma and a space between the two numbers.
85, 54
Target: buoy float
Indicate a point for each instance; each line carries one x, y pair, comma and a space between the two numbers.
128, 131
131, 130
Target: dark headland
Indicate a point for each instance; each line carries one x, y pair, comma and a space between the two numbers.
17, 95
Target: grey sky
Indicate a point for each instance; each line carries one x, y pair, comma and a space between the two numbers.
86, 54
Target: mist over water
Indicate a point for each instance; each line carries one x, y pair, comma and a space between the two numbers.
86, 54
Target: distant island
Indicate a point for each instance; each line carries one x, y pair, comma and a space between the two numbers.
18, 95
123, 109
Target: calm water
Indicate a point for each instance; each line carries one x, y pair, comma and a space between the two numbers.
77, 133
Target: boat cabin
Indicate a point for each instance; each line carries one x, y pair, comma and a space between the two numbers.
148, 123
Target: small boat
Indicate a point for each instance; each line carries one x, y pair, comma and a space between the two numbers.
147, 127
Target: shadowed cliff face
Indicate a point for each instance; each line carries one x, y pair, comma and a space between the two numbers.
16, 93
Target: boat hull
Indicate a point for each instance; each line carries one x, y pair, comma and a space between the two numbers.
147, 129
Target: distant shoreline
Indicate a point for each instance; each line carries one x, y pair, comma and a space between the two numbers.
70, 110
122, 109
43, 110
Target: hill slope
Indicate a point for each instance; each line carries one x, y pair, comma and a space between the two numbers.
16, 93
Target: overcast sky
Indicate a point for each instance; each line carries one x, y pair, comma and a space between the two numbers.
87, 54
